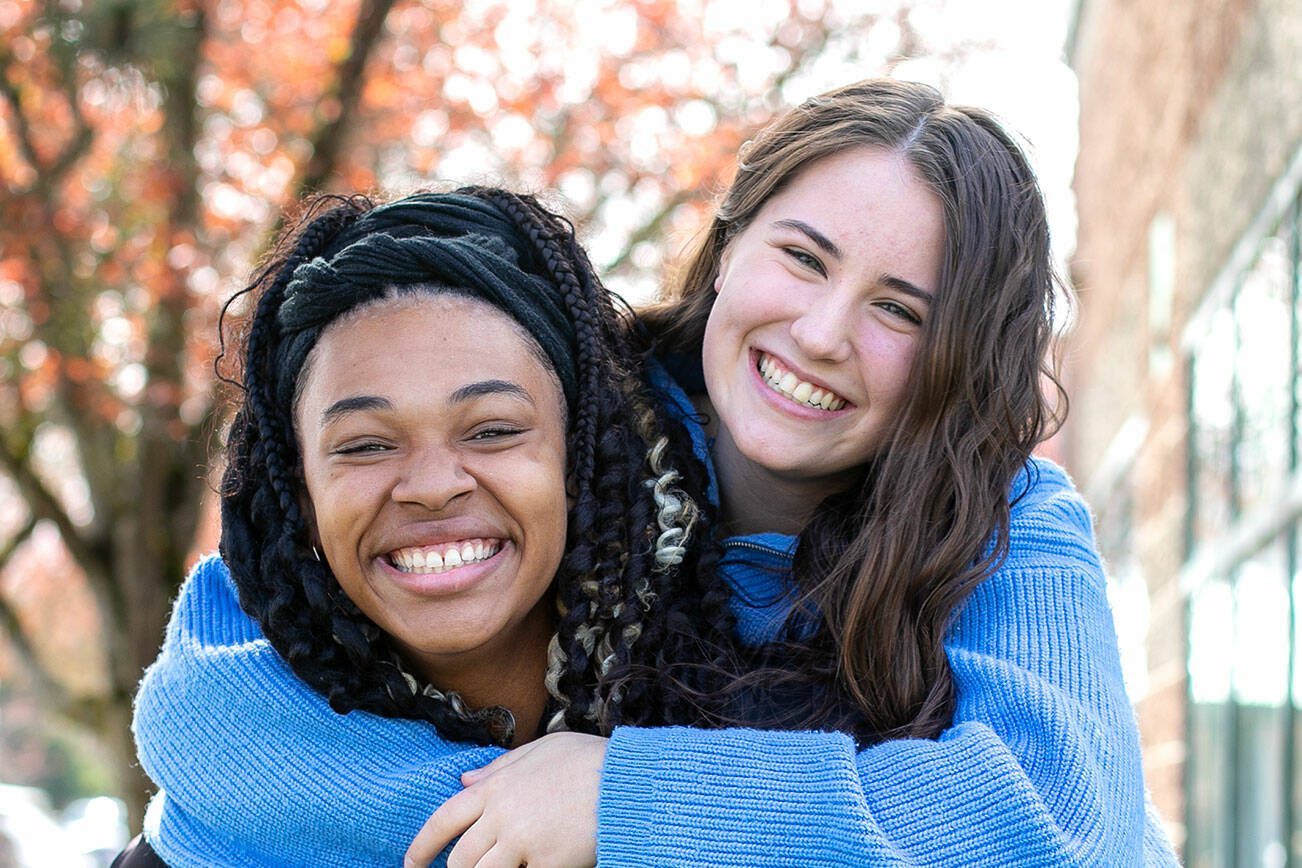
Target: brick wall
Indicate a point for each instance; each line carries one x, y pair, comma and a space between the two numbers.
1189, 112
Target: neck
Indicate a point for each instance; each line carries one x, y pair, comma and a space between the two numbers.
756, 499
508, 672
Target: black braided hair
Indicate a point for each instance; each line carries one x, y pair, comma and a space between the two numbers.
642, 626
636, 643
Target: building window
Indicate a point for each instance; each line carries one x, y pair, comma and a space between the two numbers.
1244, 784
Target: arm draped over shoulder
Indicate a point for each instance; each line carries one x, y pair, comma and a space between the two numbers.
253, 766
1041, 765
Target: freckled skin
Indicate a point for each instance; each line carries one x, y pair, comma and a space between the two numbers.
423, 467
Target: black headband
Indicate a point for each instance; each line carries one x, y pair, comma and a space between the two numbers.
460, 241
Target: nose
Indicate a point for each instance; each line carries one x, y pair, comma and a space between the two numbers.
433, 478
822, 330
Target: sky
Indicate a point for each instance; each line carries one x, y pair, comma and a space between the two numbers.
1017, 69
1023, 77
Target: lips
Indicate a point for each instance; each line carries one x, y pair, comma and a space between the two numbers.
790, 386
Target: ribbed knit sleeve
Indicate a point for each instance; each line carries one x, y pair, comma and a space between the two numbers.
1041, 765
253, 766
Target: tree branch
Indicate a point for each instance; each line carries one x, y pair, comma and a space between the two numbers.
80, 140
42, 504
349, 78
48, 172
650, 229
20, 537
21, 128
51, 691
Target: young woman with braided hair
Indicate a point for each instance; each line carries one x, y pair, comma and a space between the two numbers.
426, 384
864, 331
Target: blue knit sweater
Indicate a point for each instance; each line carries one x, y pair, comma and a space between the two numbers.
1040, 767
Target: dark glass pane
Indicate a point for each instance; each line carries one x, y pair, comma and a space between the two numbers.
1260, 689
1207, 842
1211, 721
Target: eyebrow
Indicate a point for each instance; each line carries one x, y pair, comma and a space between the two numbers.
361, 403
828, 246
357, 404
902, 285
490, 387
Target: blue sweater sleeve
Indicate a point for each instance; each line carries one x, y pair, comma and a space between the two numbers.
1041, 765
253, 766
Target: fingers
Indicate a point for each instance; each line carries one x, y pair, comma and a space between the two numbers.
500, 856
454, 817
476, 845
506, 759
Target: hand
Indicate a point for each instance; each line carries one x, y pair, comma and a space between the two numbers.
534, 806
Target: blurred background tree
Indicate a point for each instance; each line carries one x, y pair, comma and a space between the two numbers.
147, 148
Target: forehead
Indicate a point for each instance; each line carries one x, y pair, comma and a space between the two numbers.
424, 345
860, 187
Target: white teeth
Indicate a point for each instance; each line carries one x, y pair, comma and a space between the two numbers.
429, 560
788, 384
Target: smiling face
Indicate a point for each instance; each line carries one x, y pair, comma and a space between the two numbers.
433, 442
819, 313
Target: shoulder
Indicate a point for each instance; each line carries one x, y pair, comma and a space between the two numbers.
208, 572
669, 385
1049, 520
208, 607
1050, 591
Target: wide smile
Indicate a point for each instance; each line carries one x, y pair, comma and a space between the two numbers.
790, 386
436, 559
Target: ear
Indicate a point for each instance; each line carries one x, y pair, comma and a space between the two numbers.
571, 490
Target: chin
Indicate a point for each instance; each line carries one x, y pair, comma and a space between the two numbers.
779, 460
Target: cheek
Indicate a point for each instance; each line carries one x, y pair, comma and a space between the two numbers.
338, 505
547, 538
888, 366
727, 324
756, 291
545, 505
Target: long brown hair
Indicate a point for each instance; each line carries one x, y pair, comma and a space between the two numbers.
887, 565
